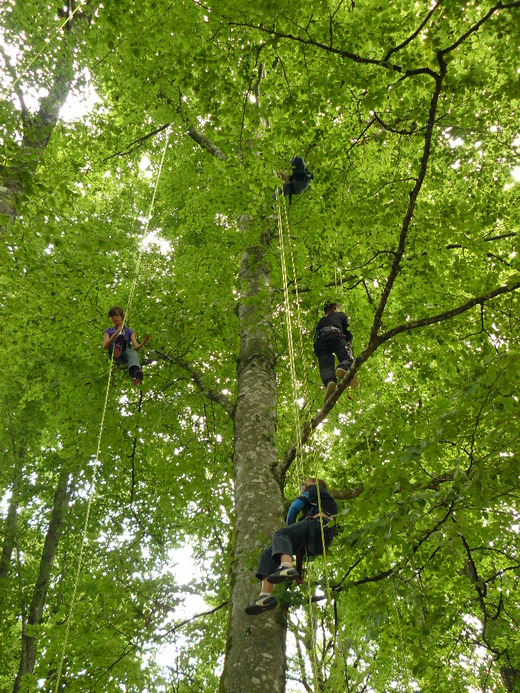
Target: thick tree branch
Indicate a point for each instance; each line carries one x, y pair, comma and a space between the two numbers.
309, 426
434, 483
192, 131
203, 141
17, 89
37, 130
447, 315
414, 194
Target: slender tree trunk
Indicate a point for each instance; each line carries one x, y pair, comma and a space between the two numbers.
9, 530
9, 537
35, 613
255, 650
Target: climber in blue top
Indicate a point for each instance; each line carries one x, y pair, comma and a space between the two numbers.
276, 562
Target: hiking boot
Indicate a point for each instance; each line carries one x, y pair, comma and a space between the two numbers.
264, 602
331, 387
283, 575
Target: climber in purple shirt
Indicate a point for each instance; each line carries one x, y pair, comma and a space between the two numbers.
123, 344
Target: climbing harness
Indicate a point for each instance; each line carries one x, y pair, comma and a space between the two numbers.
96, 463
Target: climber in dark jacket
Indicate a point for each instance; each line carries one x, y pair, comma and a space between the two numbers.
332, 336
297, 182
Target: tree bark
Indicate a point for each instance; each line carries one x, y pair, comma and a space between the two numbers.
255, 649
35, 614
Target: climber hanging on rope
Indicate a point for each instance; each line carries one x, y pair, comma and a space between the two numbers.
123, 344
332, 336
296, 182
304, 536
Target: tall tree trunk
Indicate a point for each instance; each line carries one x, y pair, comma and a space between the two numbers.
35, 613
255, 650
36, 133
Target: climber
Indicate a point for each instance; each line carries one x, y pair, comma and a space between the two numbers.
296, 182
276, 562
332, 336
123, 344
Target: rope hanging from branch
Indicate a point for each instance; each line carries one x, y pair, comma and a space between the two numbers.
96, 463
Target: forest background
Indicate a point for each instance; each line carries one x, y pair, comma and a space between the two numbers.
408, 116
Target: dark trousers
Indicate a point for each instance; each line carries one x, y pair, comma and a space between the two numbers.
325, 348
288, 539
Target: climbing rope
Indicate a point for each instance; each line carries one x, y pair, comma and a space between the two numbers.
299, 448
304, 368
101, 428
299, 451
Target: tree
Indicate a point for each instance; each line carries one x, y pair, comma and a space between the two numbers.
408, 117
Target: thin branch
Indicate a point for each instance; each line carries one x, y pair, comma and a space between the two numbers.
390, 571
135, 144
128, 649
394, 130
197, 378
362, 133
512, 234
476, 27
254, 87
188, 620
414, 35
317, 44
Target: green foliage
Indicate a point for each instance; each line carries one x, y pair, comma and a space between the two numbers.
426, 566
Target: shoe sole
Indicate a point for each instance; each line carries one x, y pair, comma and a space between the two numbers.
277, 579
117, 352
256, 609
